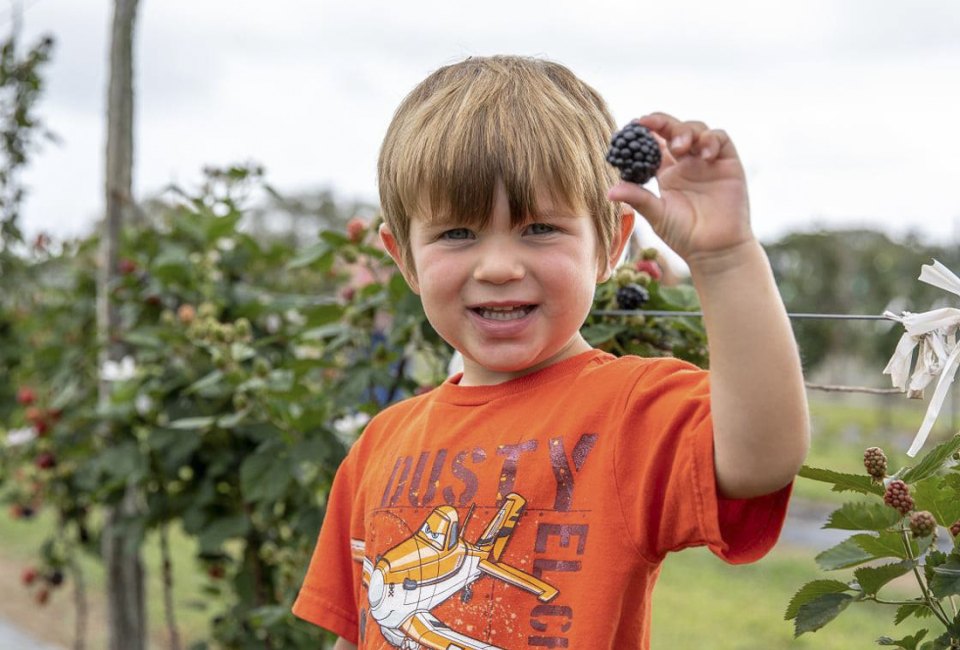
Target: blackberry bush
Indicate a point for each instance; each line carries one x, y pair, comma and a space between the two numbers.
893, 525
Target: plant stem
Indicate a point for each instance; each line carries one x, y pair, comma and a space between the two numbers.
932, 602
167, 570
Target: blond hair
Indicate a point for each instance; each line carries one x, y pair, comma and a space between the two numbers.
528, 123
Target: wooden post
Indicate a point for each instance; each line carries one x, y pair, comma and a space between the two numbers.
124, 567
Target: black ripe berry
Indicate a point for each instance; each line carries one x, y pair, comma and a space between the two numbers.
632, 296
635, 152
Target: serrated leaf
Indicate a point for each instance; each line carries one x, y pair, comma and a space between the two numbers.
871, 579
887, 543
946, 578
842, 482
820, 611
810, 591
939, 497
918, 609
862, 516
907, 642
846, 554
931, 463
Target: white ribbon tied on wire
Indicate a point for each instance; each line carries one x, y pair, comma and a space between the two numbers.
935, 332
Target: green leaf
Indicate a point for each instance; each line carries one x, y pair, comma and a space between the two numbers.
846, 554
931, 463
208, 381
818, 612
871, 579
918, 609
601, 332
265, 476
907, 642
863, 516
810, 591
193, 423
311, 254
888, 543
946, 578
842, 482
939, 496
680, 298
218, 531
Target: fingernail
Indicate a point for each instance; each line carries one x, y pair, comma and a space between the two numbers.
706, 154
677, 142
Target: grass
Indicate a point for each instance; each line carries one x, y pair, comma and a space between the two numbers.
701, 602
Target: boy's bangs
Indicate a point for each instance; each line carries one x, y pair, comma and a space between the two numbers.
453, 173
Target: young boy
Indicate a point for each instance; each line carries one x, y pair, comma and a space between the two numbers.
529, 501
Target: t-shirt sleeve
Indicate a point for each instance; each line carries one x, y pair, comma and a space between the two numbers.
665, 473
328, 595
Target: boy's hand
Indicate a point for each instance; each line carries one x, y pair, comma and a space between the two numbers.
702, 209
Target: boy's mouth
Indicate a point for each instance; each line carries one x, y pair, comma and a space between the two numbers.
503, 313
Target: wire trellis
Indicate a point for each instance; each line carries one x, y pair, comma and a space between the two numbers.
794, 315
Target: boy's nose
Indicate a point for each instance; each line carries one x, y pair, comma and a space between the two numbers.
499, 263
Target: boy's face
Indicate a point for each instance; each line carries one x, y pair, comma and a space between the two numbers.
511, 300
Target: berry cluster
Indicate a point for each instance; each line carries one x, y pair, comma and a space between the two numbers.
635, 152
922, 524
44, 582
876, 462
897, 496
632, 296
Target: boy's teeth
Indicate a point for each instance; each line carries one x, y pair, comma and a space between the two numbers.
504, 313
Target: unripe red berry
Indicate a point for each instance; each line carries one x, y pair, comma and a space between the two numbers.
216, 571
356, 229
650, 267
875, 461
29, 576
922, 524
955, 528
26, 396
897, 496
126, 266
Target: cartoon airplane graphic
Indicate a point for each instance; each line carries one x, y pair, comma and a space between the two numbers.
421, 572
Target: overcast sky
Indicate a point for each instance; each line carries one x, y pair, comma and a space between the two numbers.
845, 112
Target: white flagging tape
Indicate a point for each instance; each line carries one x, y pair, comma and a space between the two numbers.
935, 332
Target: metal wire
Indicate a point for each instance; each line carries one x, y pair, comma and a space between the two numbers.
699, 314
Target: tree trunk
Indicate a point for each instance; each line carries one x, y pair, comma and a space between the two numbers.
125, 580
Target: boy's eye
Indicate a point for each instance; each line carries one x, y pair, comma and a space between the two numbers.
456, 233
540, 228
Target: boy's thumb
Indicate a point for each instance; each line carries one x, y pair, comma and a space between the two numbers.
643, 201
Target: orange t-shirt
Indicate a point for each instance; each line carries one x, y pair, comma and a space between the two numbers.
529, 514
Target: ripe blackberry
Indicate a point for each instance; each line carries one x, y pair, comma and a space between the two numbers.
897, 496
922, 524
635, 152
876, 462
955, 528
632, 296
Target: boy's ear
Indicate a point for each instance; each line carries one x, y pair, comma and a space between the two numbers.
390, 243
621, 235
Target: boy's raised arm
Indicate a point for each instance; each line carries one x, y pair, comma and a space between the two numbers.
758, 401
